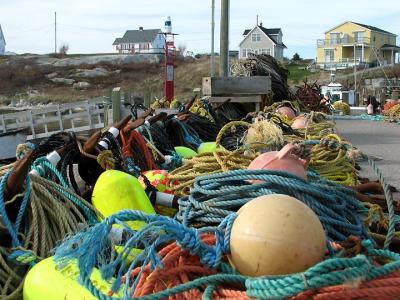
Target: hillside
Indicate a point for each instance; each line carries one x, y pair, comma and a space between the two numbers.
43, 79
32, 79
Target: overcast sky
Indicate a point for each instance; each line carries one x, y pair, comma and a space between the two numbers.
90, 26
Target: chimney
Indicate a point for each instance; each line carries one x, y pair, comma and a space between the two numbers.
261, 24
141, 28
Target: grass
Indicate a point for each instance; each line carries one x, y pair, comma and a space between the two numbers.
297, 73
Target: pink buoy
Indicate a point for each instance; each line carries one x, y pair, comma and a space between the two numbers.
286, 111
283, 160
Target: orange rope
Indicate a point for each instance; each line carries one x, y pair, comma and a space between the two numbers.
139, 140
180, 267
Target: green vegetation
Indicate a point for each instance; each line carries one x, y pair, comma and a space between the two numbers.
297, 73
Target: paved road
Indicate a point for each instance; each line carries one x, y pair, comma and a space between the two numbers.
379, 139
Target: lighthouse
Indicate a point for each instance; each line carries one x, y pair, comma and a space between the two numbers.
170, 54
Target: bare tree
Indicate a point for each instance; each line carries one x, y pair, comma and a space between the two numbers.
182, 49
63, 49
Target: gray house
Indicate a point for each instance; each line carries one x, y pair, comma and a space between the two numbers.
261, 40
141, 41
2, 43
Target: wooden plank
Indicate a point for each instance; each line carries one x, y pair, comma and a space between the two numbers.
232, 86
248, 99
33, 132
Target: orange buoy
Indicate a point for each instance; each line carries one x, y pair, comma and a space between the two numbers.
283, 160
276, 235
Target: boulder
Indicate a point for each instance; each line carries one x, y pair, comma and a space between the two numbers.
82, 85
65, 81
52, 75
96, 72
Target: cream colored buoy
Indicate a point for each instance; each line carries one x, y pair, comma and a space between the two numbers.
276, 235
301, 122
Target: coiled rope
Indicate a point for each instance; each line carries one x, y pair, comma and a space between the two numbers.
48, 212
215, 196
161, 274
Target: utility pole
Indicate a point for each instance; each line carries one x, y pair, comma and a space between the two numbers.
355, 70
212, 38
224, 40
55, 32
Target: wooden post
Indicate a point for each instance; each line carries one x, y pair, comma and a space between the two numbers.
60, 121
116, 103
3, 123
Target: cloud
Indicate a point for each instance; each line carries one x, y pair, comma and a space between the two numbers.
92, 25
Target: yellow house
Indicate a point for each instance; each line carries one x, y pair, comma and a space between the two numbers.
353, 43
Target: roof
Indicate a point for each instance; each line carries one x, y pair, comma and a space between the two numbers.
117, 41
388, 46
2, 35
373, 28
138, 36
269, 32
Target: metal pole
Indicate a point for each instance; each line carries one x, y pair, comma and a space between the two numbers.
355, 69
224, 39
55, 32
212, 38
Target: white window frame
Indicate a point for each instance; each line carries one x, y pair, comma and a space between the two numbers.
256, 37
331, 57
336, 40
357, 39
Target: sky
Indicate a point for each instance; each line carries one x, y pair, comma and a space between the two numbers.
90, 26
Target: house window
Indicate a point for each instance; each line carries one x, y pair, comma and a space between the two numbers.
265, 51
335, 38
255, 37
329, 55
359, 36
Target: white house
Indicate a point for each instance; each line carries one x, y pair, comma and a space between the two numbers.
141, 41
261, 40
2, 42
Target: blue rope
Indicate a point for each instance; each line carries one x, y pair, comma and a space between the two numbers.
89, 245
191, 136
3, 213
90, 249
215, 196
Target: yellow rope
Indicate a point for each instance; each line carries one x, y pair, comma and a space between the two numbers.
335, 164
210, 163
343, 107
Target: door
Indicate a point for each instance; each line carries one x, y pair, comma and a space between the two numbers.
329, 55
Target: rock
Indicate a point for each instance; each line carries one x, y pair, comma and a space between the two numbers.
96, 72
65, 81
52, 75
33, 93
82, 85
118, 59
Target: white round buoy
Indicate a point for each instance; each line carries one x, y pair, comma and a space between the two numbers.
276, 235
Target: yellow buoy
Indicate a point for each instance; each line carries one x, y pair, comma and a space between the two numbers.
46, 281
276, 235
115, 191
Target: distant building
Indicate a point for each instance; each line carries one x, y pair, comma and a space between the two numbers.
141, 41
2, 42
352, 43
261, 40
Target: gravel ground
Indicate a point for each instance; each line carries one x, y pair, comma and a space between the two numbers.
379, 139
